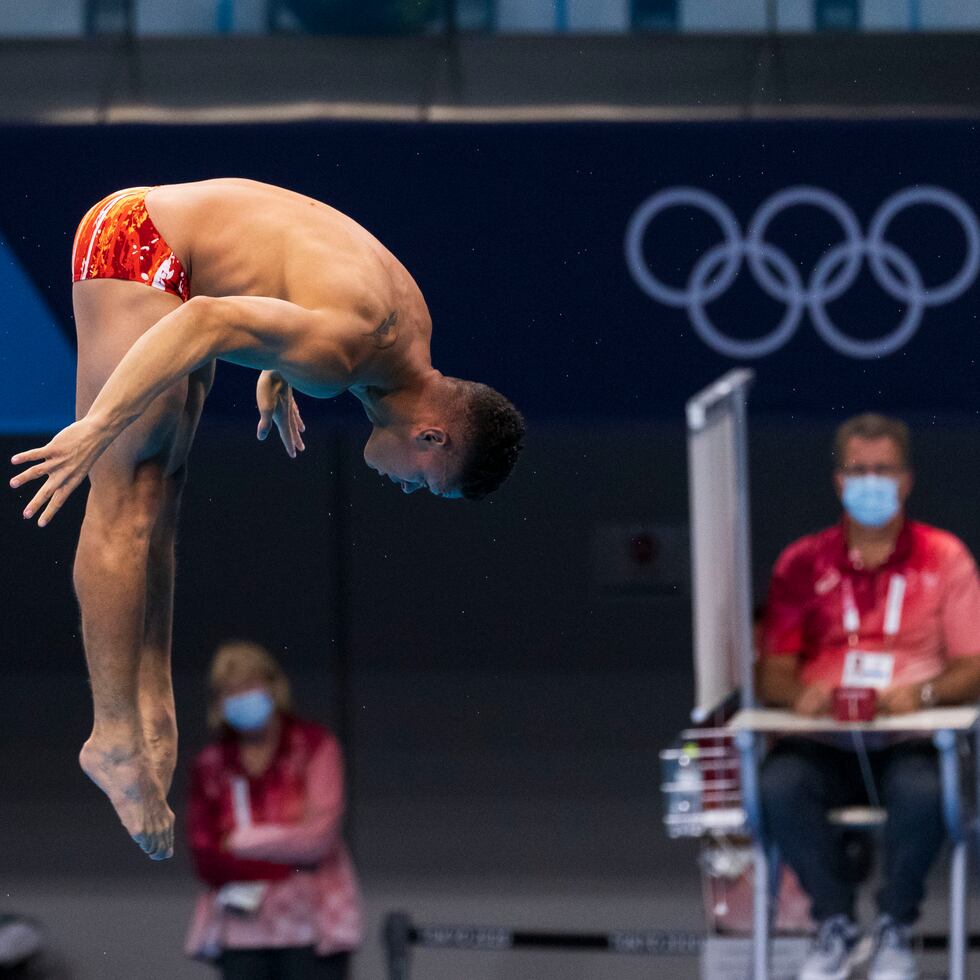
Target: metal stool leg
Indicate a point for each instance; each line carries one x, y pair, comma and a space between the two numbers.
395, 935
945, 742
748, 757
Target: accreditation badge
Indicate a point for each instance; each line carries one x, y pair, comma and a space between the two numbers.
863, 668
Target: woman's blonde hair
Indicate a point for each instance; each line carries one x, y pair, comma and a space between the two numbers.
241, 662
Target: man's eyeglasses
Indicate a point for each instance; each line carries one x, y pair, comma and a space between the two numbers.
881, 470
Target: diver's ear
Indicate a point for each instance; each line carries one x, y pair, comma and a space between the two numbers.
433, 435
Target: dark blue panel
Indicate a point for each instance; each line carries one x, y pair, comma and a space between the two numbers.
516, 234
37, 363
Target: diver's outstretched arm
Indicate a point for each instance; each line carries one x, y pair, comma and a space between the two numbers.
267, 334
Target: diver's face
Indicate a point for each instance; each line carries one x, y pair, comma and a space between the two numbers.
420, 462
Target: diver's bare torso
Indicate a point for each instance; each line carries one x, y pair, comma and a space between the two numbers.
239, 237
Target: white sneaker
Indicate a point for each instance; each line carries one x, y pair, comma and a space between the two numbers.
833, 951
892, 957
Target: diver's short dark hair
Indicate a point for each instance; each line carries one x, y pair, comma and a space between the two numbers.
494, 439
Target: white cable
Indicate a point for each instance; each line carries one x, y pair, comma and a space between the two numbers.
865, 763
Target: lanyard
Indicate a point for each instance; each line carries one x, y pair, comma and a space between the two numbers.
893, 607
240, 803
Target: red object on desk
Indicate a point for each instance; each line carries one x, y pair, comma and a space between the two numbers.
855, 703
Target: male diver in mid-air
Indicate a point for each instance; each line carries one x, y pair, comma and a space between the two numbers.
259, 276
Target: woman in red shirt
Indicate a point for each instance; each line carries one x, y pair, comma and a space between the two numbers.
264, 825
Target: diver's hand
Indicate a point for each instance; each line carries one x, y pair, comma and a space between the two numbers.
274, 397
65, 461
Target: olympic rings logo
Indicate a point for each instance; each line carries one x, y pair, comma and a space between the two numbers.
779, 277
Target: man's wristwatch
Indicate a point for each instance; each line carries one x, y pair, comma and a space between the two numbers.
927, 695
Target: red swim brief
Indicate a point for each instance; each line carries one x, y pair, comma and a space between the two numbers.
118, 240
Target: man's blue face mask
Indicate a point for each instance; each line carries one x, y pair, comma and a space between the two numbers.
248, 712
871, 500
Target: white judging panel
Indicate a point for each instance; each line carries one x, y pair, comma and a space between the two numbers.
719, 542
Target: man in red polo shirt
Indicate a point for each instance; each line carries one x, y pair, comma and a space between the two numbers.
875, 601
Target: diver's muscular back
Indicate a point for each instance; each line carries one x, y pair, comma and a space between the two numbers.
239, 237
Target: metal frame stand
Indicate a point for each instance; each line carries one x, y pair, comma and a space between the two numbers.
949, 765
748, 752
957, 828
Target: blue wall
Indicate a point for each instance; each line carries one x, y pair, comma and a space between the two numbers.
517, 236
36, 356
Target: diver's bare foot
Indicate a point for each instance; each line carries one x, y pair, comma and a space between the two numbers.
126, 776
160, 738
